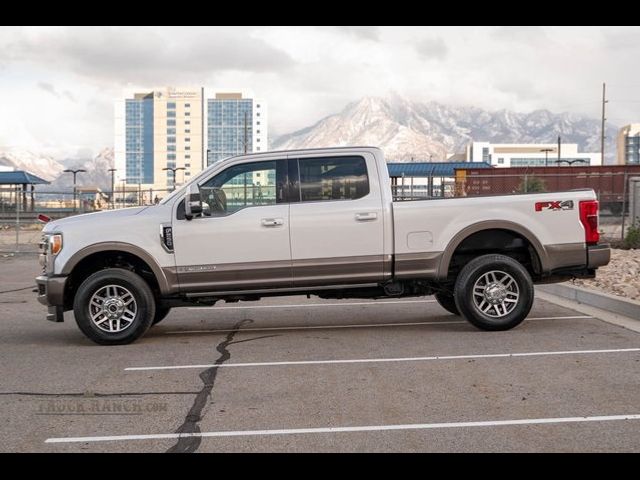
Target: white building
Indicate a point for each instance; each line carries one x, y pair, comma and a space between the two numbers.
529, 154
629, 145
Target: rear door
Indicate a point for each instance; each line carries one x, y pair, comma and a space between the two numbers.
336, 220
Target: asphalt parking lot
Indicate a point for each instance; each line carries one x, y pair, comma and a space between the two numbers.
296, 374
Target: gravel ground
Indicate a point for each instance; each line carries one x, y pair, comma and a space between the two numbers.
620, 277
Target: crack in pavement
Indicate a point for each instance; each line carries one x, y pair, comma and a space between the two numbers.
208, 377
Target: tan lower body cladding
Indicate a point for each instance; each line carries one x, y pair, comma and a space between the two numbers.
282, 274
338, 270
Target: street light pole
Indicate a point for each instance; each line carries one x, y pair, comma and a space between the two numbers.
113, 186
75, 172
546, 155
174, 170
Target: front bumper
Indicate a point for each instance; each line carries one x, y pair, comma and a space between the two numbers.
51, 294
598, 255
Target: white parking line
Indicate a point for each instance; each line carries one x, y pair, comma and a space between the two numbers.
356, 325
310, 305
369, 428
388, 360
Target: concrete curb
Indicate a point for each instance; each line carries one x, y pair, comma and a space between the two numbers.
605, 301
602, 306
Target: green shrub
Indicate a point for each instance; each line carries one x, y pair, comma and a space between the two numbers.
531, 185
632, 238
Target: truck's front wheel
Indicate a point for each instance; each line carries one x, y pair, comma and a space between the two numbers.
494, 292
114, 307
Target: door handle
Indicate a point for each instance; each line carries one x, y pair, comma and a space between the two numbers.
272, 222
366, 217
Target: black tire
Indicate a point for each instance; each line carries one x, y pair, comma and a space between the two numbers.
446, 301
161, 313
502, 316
145, 306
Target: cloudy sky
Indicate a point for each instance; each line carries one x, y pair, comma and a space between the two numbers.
58, 84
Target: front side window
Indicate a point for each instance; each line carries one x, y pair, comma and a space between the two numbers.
245, 185
333, 178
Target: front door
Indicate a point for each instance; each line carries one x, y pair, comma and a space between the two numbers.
336, 220
243, 241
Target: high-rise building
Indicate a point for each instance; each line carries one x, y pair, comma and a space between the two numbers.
156, 130
629, 145
187, 129
235, 124
529, 154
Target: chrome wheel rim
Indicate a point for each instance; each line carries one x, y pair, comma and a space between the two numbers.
496, 294
113, 308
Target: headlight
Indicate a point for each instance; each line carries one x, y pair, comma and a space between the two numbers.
55, 243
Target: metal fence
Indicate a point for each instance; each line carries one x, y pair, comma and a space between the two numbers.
20, 229
19, 209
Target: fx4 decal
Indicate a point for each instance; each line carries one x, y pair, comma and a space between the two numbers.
558, 205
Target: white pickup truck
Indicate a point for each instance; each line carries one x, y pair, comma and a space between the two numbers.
320, 222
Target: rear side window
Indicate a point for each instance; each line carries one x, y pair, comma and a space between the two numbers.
333, 178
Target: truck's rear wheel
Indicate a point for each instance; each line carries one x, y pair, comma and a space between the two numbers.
446, 301
494, 292
114, 307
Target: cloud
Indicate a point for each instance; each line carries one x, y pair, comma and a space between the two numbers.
366, 32
69, 96
623, 39
532, 35
72, 75
47, 87
432, 48
142, 54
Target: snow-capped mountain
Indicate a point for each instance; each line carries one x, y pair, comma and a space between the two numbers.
44, 166
96, 175
406, 129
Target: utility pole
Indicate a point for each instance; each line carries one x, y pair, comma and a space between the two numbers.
113, 187
546, 155
559, 147
602, 137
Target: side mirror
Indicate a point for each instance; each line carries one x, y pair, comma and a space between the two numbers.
192, 202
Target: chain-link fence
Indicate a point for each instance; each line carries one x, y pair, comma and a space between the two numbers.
20, 208
612, 190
